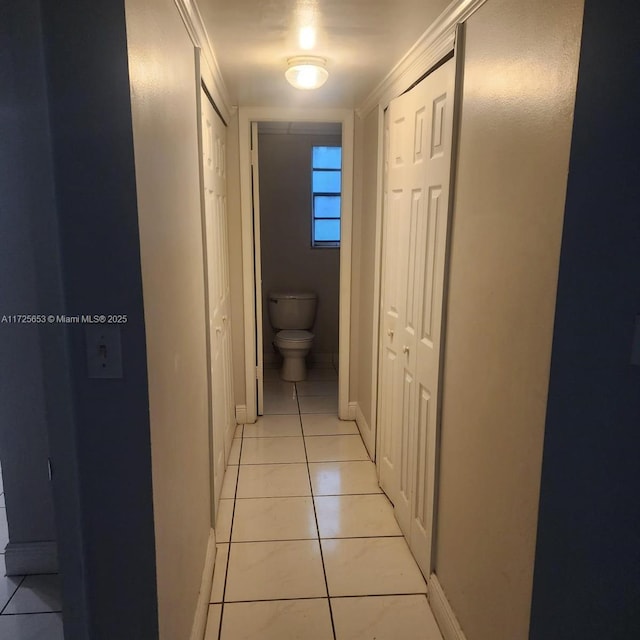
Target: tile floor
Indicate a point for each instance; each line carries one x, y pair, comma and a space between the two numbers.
29, 605
308, 547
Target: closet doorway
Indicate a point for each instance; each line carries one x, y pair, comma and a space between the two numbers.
418, 132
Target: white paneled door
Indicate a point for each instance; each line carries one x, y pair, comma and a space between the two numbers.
418, 127
218, 291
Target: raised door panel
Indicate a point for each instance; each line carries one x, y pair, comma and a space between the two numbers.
430, 290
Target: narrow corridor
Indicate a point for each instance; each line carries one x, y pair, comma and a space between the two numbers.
308, 547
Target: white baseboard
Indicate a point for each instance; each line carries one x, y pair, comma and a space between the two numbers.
353, 410
241, 414
442, 611
27, 558
365, 431
202, 608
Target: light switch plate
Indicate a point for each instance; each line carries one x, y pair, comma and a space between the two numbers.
104, 351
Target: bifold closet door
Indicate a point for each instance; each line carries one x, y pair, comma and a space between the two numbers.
217, 261
418, 167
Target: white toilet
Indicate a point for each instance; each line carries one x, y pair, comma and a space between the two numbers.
292, 315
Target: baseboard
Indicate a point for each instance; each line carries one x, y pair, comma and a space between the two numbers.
365, 431
202, 608
442, 611
27, 558
353, 410
241, 414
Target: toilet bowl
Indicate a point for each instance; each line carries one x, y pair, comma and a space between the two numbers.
292, 315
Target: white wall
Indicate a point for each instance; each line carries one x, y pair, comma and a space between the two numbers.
518, 95
288, 260
165, 128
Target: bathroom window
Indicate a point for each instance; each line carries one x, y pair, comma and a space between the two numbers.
326, 178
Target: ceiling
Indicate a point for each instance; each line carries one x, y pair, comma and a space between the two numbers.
362, 40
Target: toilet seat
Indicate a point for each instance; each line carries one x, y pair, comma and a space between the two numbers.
294, 335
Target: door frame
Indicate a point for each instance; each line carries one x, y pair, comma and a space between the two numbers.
247, 115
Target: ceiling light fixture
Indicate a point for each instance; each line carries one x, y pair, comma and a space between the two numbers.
306, 72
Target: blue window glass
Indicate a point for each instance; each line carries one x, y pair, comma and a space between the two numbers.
326, 206
326, 177
326, 181
327, 157
327, 230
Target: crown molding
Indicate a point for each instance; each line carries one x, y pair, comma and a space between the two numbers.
435, 43
211, 74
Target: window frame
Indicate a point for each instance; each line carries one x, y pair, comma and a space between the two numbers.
325, 244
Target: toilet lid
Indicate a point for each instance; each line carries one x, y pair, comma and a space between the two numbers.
295, 335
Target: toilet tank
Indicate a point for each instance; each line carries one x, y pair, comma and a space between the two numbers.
292, 310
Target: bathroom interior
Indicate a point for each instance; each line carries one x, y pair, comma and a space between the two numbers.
299, 186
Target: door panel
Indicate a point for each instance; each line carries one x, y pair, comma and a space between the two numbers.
217, 261
414, 258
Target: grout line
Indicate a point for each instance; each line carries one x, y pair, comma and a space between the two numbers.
260, 464
269, 540
233, 513
309, 495
32, 613
2, 612
355, 595
315, 515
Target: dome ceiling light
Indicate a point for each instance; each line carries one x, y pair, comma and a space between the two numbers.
306, 72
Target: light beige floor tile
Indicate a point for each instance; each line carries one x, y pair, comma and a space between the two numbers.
280, 404
339, 478
238, 431
36, 594
274, 426
4, 530
275, 570
323, 424
371, 566
234, 454
219, 572
8, 584
272, 450
213, 622
223, 520
384, 618
39, 626
271, 374
274, 519
277, 620
319, 404
321, 373
279, 387
355, 516
335, 448
317, 388
229, 482
273, 480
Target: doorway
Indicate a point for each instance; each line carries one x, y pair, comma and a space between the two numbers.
255, 314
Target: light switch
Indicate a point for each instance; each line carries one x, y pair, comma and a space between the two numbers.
104, 352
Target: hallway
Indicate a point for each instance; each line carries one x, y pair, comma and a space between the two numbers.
308, 546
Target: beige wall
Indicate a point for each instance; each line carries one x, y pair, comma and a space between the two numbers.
288, 260
364, 257
164, 89
519, 88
